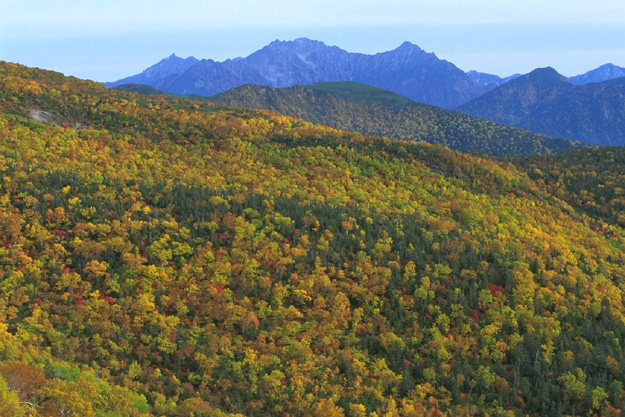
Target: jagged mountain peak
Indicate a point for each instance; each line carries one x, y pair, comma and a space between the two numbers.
306, 41
408, 46
173, 58
170, 66
406, 50
296, 44
166, 67
609, 66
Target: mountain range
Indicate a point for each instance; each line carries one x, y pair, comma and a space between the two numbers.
375, 111
407, 70
544, 101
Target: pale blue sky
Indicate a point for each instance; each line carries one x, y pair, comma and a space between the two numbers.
107, 40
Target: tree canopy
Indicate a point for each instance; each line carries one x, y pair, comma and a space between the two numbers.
172, 257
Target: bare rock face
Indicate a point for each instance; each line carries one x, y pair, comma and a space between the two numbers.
41, 116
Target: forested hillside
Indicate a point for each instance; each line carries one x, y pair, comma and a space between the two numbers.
375, 111
172, 257
592, 180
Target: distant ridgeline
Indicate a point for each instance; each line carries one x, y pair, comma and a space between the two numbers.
407, 70
172, 257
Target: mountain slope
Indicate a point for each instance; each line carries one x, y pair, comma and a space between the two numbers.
374, 111
603, 73
544, 101
407, 70
184, 258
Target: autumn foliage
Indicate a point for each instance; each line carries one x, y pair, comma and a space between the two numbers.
163, 256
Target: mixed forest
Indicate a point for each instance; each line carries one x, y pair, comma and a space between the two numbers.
169, 257
375, 111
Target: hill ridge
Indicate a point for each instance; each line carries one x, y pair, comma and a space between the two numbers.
374, 111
